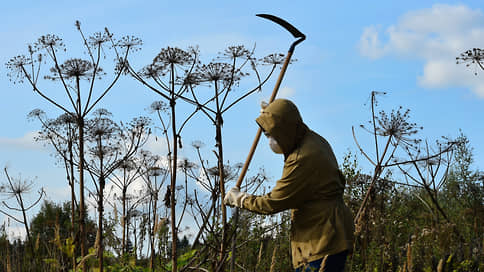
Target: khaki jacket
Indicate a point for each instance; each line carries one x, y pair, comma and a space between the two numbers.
311, 186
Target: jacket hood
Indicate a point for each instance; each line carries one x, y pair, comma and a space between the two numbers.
281, 120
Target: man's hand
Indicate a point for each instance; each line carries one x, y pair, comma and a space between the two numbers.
235, 197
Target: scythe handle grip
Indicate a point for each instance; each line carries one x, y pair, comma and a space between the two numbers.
259, 131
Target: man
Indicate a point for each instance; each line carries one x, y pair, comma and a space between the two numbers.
311, 186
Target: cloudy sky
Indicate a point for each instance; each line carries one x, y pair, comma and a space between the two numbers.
406, 49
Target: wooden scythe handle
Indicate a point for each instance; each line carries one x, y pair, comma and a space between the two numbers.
259, 131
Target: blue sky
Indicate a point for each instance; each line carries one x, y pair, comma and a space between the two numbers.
405, 48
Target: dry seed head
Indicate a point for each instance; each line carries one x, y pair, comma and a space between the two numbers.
74, 68
98, 38
173, 55
49, 42
130, 43
36, 114
159, 106
273, 59
197, 144
236, 52
16, 65
474, 56
397, 126
214, 71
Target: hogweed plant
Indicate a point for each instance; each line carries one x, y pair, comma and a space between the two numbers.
79, 79
18, 189
398, 135
123, 178
176, 75
395, 146
430, 174
205, 206
224, 76
154, 174
109, 146
166, 76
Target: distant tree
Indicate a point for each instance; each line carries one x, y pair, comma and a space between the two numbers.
5, 255
50, 227
183, 244
464, 191
50, 219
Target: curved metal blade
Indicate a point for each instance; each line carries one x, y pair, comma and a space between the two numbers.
296, 33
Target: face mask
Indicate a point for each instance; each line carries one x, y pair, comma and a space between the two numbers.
274, 145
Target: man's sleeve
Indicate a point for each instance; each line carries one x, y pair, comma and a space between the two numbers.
288, 193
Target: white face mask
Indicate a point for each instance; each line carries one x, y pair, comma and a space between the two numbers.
274, 145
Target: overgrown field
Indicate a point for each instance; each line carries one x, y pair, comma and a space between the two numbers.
419, 207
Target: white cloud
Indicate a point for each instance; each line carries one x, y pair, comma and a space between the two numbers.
26, 142
156, 145
370, 45
286, 92
442, 18
202, 178
14, 229
16, 232
58, 193
435, 35
137, 187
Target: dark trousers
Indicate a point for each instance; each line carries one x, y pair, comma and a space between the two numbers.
334, 263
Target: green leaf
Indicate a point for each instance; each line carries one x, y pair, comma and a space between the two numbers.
183, 259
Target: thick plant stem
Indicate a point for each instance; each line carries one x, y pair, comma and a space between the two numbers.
153, 230
234, 240
27, 231
273, 260
73, 197
259, 256
100, 225
378, 170
100, 208
150, 232
221, 174
174, 233
223, 246
82, 220
123, 223
82, 230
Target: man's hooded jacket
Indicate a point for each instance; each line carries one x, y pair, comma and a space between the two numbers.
311, 186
